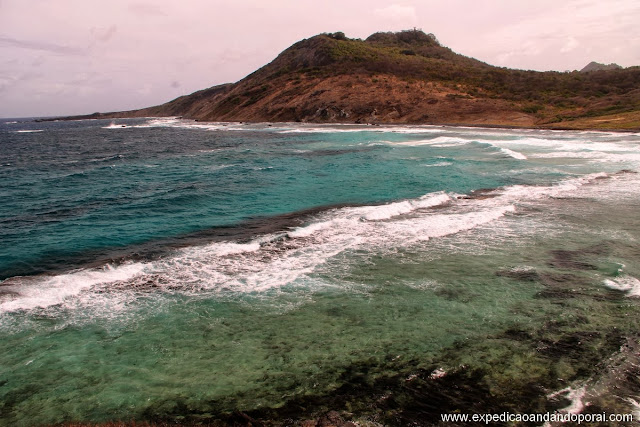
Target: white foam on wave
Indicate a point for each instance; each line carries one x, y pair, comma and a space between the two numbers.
593, 156
440, 141
529, 141
270, 262
114, 125
350, 217
605, 142
220, 167
437, 165
224, 248
399, 208
28, 131
517, 144
348, 229
513, 154
624, 283
596, 148
530, 192
42, 292
308, 230
330, 130
592, 147
176, 122
389, 211
351, 128
575, 396
445, 141
611, 146
441, 225
636, 407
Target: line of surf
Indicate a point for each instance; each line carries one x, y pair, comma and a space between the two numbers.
287, 257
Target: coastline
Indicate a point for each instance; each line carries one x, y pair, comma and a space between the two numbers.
114, 116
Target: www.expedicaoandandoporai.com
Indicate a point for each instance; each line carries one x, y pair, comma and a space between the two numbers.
549, 417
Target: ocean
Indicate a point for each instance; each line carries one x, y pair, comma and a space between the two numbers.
160, 269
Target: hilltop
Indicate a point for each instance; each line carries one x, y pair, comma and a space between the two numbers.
596, 66
409, 77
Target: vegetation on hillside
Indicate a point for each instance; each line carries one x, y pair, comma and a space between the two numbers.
415, 55
423, 82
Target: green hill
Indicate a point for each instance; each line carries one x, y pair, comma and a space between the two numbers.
596, 66
409, 77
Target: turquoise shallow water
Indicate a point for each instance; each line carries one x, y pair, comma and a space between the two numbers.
81, 187
160, 269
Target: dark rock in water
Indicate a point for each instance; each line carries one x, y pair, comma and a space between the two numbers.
481, 193
454, 294
558, 293
567, 346
601, 248
422, 400
564, 259
625, 171
330, 419
8, 293
558, 279
517, 334
586, 349
417, 396
566, 286
527, 275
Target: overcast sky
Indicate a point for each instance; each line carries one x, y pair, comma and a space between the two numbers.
62, 57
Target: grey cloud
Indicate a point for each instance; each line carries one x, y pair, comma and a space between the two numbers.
103, 34
30, 76
82, 79
41, 46
38, 61
5, 82
146, 9
8, 80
